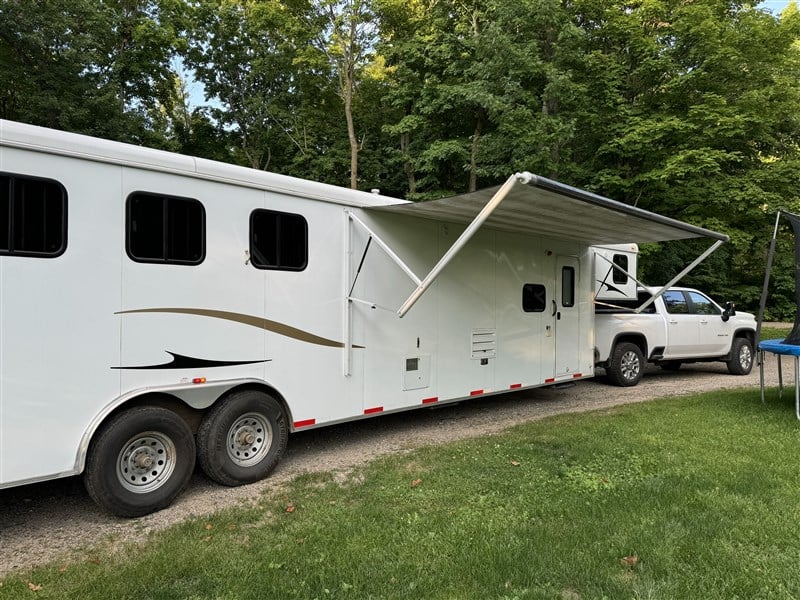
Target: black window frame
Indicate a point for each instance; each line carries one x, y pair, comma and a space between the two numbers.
620, 277
531, 292
568, 286
257, 258
11, 217
167, 200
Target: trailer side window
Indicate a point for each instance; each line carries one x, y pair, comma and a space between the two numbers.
165, 229
33, 216
278, 240
622, 262
534, 297
568, 286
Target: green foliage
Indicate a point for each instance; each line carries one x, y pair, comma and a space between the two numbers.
595, 505
689, 109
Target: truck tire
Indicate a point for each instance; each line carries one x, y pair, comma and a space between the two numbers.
626, 366
242, 438
139, 461
741, 360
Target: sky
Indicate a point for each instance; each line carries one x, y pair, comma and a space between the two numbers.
774, 6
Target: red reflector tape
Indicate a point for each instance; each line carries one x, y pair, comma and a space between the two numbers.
306, 423
515, 386
476, 392
430, 400
369, 411
577, 375
551, 380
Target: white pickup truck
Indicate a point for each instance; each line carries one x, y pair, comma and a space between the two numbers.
681, 326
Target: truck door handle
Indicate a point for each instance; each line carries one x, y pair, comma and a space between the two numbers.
555, 308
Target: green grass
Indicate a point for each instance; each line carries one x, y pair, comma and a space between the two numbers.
774, 333
702, 491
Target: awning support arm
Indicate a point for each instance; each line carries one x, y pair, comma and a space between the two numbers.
462, 240
681, 275
385, 247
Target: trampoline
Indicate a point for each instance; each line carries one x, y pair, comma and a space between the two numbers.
779, 348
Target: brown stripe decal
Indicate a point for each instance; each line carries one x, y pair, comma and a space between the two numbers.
253, 321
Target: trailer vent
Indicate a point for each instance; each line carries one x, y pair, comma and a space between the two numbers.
484, 343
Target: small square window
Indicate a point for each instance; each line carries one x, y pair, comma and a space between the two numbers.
534, 297
165, 229
278, 240
33, 216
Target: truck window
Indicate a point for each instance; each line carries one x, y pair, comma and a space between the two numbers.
33, 216
278, 240
534, 297
676, 302
701, 305
165, 229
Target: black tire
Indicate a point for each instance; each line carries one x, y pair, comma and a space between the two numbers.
139, 461
242, 438
741, 360
626, 365
670, 365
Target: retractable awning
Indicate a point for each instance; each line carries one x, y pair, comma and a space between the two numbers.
540, 206
535, 205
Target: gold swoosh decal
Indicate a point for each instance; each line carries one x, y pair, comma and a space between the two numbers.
253, 321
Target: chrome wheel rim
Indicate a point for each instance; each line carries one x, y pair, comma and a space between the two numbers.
745, 357
146, 462
249, 439
629, 366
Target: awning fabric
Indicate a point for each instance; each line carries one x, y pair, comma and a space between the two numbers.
539, 206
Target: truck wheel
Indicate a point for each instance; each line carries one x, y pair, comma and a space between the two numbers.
626, 366
242, 438
741, 361
139, 461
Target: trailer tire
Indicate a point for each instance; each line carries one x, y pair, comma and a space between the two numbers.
139, 461
626, 366
242, 438
741, 360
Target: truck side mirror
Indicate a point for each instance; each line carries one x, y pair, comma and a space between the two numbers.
730, 310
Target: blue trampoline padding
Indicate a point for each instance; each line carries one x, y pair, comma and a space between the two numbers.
778, 347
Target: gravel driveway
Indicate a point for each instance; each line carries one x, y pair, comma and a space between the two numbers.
55, 521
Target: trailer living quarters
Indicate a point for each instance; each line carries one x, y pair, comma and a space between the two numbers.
157, 308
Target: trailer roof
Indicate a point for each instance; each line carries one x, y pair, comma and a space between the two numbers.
540, 206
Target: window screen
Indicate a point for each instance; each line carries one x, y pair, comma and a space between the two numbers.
165, 229
278, 240
534, 297
33, 216
568, 286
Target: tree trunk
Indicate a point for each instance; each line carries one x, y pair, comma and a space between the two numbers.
473, 153
408, 166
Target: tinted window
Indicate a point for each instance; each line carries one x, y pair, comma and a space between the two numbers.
621, 261
165, 229
701, 305
278, 240
676, 302
33, 216
534, 297
567, 286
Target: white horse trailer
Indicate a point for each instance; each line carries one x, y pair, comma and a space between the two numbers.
157, 308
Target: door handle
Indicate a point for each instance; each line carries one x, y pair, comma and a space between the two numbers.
555, 308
